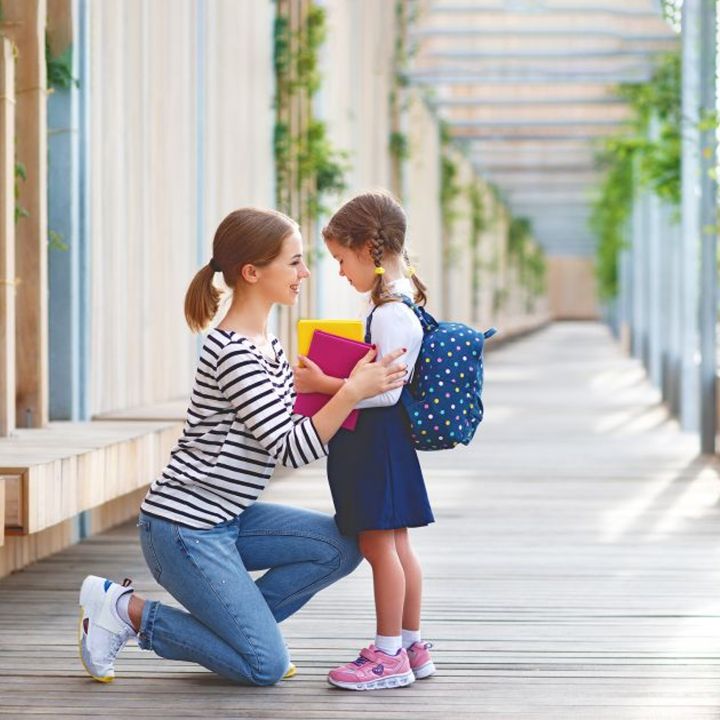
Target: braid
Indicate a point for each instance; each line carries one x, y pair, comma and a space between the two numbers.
420, 288
377, 250
377, 240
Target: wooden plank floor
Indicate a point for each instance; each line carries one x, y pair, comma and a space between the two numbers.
574, 572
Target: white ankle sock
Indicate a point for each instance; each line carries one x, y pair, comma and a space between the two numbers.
409, 637
389, 644
122, 606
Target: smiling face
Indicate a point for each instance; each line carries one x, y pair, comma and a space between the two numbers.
357, 267
280, 280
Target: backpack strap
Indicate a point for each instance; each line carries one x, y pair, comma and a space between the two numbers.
368, 322
427, 322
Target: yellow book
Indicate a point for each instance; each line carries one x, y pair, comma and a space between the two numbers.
351, 329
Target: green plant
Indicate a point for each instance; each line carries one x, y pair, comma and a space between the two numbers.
306, 163
611, 210
646, 154
478, 221
528, 257
56, 241
319, 161
450, 188
20, 176
59, 68
399, 145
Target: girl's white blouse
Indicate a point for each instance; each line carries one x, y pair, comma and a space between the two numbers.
395, 325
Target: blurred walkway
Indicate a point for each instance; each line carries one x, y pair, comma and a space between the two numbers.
573, 573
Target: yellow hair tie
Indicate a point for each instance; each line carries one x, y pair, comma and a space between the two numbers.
379, 270
410, 271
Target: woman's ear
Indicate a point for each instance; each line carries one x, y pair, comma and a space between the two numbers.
249, 273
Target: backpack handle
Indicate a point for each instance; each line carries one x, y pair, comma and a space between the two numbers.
427, 321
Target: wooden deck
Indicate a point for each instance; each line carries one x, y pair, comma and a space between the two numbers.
574, 572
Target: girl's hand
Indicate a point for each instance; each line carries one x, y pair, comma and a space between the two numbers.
369, 379
309, 377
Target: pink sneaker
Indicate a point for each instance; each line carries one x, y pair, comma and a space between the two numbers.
373, 670
420, 660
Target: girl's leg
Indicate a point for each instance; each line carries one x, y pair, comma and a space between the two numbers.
386, 665
413, 580
378, 548
229, 628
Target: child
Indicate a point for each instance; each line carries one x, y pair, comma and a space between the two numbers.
202, 527
375, 478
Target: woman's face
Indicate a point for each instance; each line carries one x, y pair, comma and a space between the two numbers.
357, 267
280, 280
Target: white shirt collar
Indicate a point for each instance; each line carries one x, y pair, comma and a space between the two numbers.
402, 286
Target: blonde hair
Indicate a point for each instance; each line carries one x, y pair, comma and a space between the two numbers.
248, 236
376, 218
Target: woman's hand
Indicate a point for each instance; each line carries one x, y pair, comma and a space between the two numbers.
310, 378
369, 378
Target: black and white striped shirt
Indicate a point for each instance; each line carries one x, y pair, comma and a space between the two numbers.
239, 425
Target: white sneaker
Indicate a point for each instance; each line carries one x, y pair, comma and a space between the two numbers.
103, 633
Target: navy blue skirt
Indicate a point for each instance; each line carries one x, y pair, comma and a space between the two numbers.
374, 473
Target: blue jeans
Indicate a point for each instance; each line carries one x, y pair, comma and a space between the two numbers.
231, 623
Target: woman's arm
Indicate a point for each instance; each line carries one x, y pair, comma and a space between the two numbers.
367, 379
245, 383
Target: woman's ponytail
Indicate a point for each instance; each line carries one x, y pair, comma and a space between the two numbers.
202, 300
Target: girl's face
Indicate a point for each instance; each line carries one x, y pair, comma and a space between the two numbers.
357, 266
280, 280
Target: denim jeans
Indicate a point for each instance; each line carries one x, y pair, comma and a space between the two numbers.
231, 623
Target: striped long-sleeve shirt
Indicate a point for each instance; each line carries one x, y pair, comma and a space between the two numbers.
240, 424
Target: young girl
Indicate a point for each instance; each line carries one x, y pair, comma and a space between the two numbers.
202, 528
375, 478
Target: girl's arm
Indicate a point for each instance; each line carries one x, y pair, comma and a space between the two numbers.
393, 325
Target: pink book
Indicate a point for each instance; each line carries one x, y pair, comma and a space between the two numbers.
336, 356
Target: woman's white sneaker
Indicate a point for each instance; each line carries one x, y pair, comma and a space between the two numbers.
102, 633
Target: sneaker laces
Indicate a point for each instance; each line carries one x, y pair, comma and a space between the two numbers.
118, 642
362, 659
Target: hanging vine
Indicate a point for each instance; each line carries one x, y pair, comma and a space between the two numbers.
528, 257
58, 68
645, 155
306, 163
406, 13
450, 192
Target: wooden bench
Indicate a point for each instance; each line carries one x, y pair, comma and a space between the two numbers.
54, 473
50, 475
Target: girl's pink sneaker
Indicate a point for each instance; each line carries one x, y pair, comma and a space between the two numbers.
373, 670
420, 660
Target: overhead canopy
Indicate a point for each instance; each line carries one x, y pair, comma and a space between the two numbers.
529, 86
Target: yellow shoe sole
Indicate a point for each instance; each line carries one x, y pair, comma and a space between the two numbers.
87, 669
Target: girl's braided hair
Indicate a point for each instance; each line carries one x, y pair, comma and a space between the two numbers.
374, 218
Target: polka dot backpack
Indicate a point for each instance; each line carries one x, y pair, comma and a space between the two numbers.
443, 399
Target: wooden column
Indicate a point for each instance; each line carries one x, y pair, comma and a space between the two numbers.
294, 107
7, 238
26, 20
